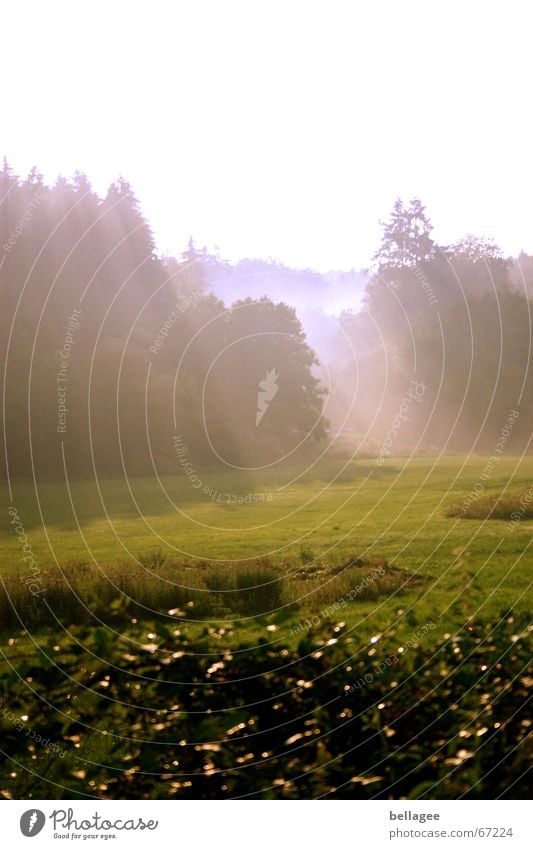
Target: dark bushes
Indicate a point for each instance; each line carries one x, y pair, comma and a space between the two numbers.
267, 721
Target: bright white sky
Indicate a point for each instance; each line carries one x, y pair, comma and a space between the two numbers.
278, 127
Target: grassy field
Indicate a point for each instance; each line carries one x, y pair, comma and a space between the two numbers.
317, 522
410, 671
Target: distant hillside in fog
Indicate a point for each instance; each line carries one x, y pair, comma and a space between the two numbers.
331, 293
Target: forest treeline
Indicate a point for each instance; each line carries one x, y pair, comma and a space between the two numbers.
112, 351
456, 322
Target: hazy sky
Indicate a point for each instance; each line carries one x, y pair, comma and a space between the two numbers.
284, 128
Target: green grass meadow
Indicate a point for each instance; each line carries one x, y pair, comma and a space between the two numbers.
332, 512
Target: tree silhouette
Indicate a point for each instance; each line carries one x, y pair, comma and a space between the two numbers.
406, 238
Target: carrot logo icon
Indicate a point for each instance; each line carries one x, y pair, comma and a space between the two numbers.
267, 390
32, 822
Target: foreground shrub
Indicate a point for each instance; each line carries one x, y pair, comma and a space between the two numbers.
152, 715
